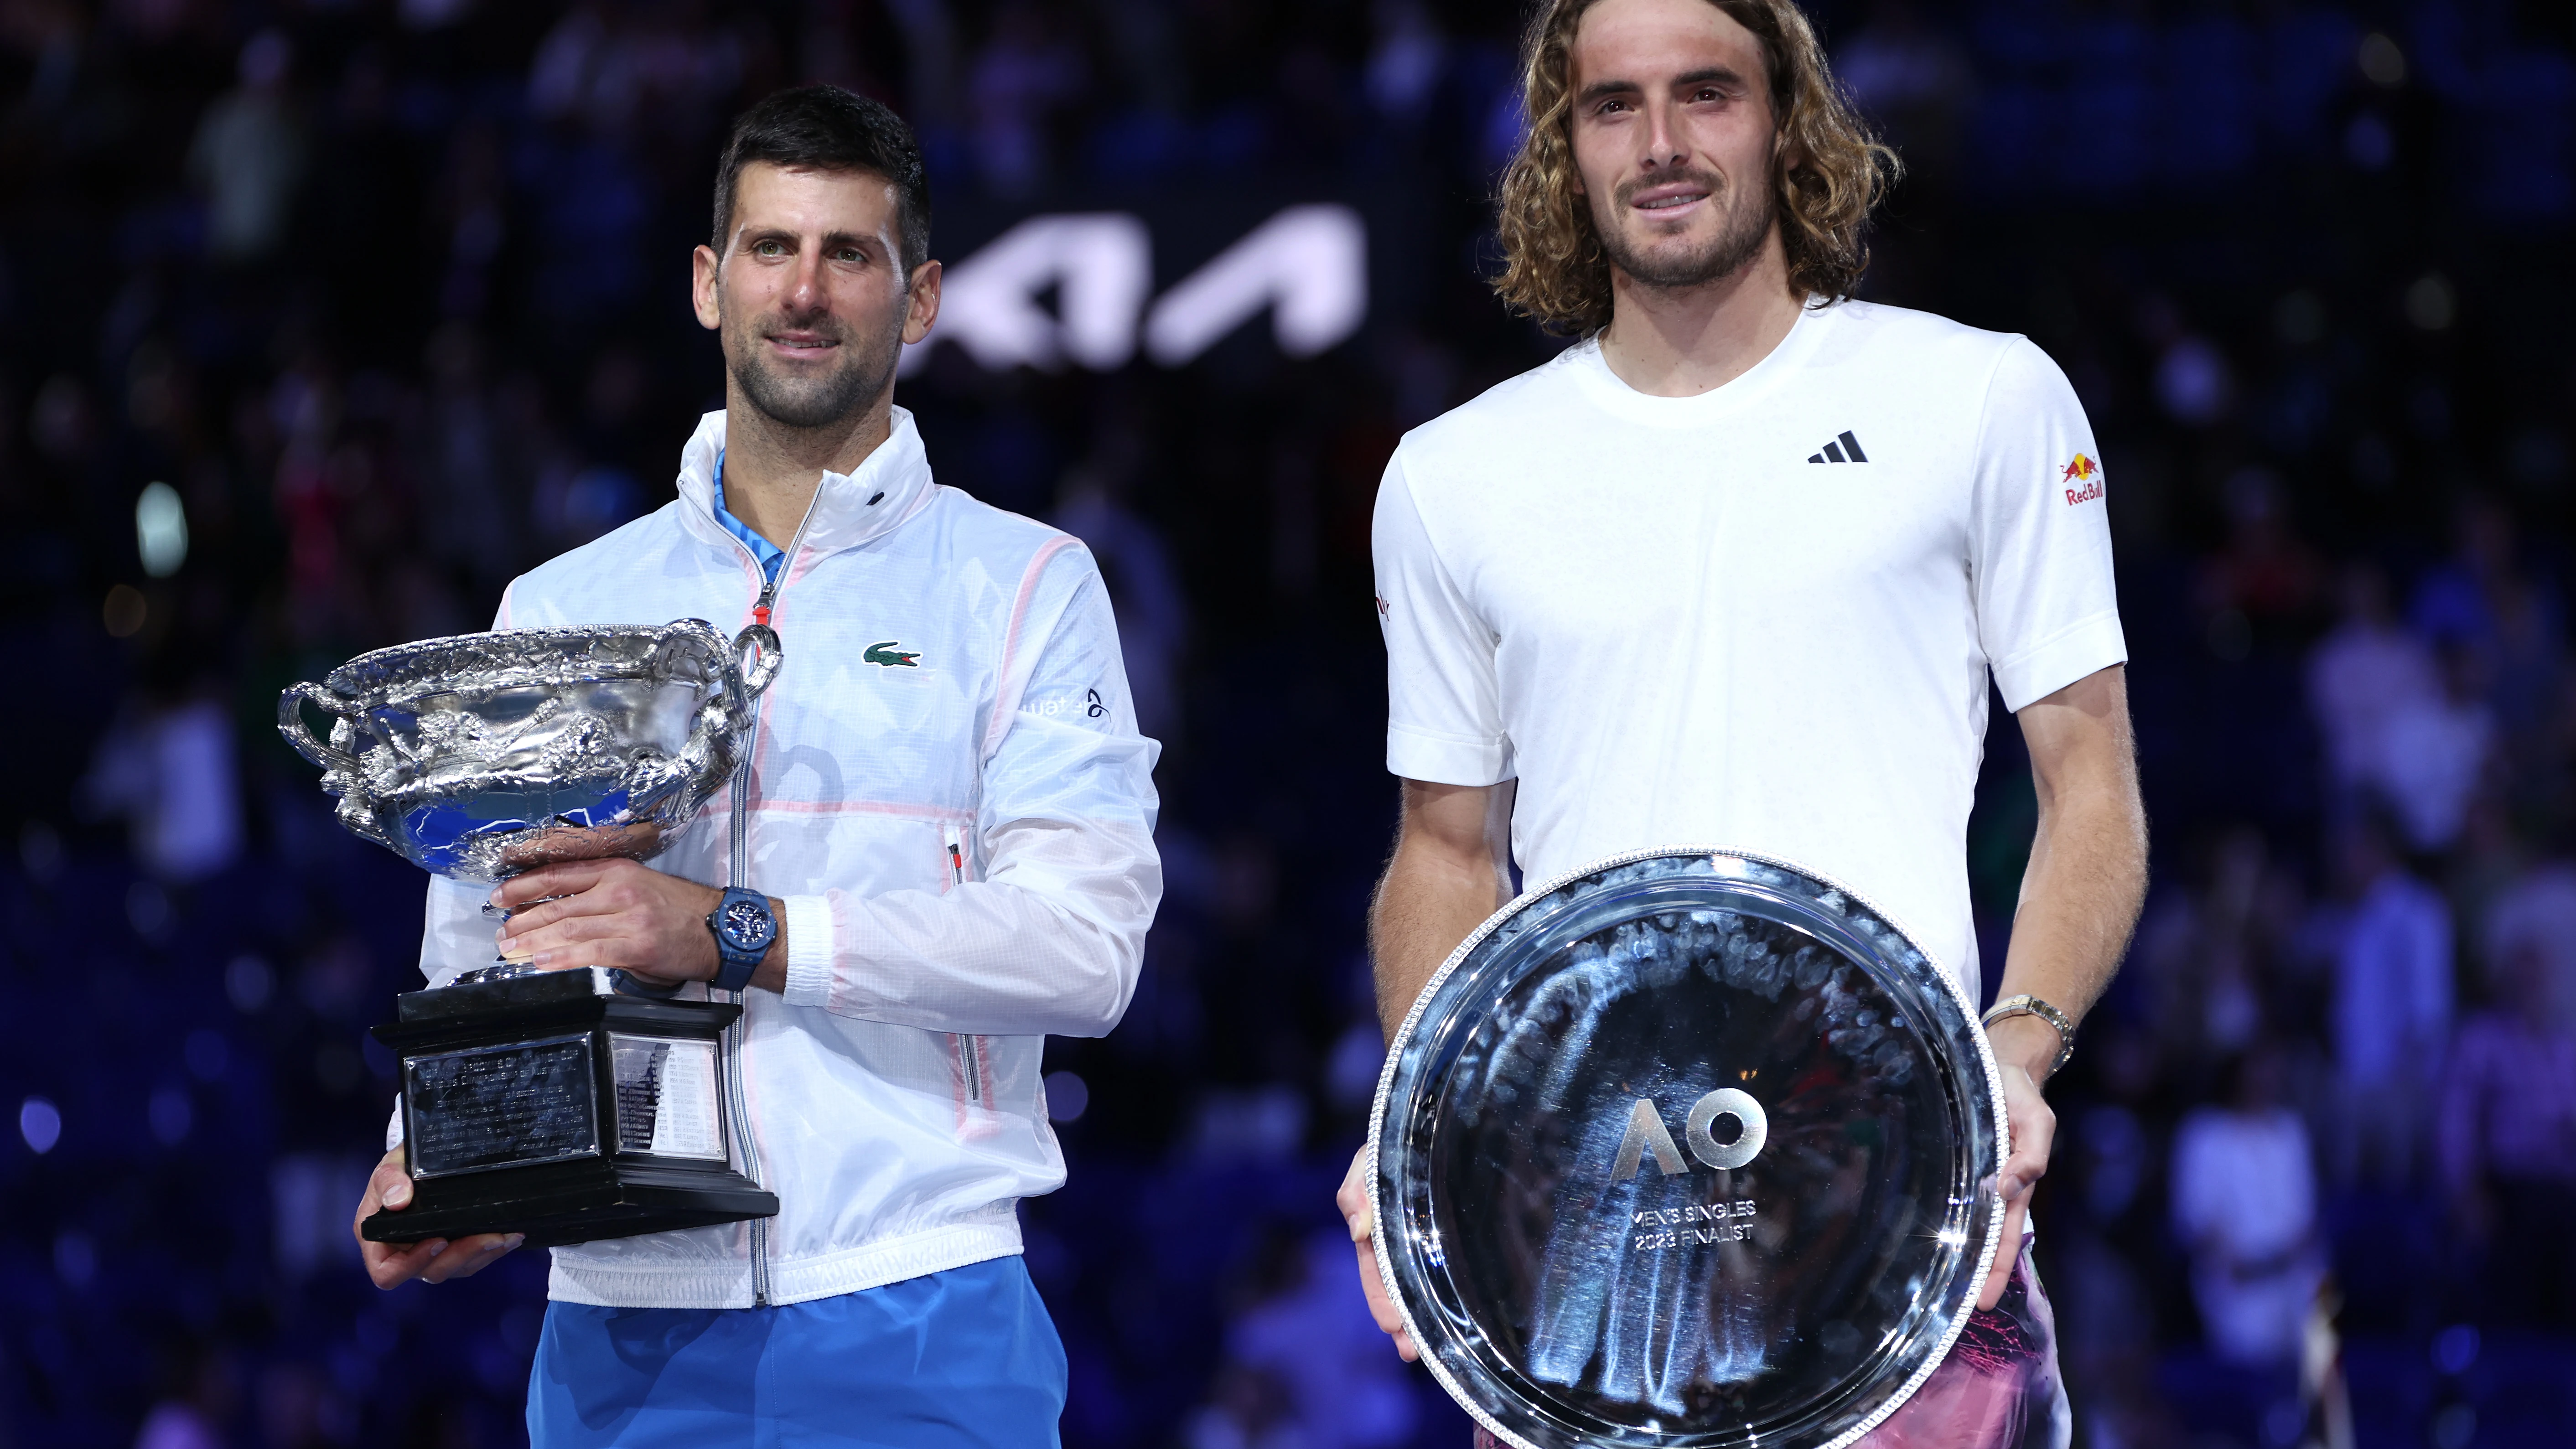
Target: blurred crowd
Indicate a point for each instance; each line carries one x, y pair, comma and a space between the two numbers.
2335, 1089
321, 319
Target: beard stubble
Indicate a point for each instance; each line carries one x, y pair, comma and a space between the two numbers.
865, 364
1738, 241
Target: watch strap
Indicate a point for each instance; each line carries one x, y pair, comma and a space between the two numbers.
735, 974
2028, 1005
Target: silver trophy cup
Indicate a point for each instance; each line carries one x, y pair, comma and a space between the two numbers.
1687, 1148
566, 1105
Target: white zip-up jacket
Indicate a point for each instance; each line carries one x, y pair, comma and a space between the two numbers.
949, 792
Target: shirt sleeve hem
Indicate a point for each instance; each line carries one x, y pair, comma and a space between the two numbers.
1446, 759
809, 951
2084, 647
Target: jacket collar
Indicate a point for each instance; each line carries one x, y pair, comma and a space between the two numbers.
896, 476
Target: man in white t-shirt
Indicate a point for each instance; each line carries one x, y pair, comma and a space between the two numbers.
1736, 568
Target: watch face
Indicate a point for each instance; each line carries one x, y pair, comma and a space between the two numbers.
746, 924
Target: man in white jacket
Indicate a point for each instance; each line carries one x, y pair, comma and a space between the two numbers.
948, 812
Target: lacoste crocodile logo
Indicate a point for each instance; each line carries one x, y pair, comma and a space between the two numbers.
893, 655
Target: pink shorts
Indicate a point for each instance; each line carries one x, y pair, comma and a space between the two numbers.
1998, 1389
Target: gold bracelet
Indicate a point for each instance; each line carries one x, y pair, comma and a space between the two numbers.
2027, 1005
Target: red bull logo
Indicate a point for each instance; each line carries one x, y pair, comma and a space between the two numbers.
2086, 472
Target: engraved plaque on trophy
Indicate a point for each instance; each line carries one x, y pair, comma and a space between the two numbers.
1688, 1148
566, 1105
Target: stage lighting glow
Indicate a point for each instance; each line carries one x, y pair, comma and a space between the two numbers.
2382, 63
75, 1258
172, 1116
248, 981
124, 611
2430, 303
41, 1124
161, 530
1067, 1096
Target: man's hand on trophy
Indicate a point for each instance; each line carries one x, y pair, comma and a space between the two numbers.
1353, 1200
2024, 1047
619, 913
392, 1265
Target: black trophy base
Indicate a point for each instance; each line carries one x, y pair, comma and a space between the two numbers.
556, 1106
577, 1202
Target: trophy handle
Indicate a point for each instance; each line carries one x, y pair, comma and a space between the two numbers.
290, 723
755, 660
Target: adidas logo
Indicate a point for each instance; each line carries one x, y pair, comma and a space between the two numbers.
1845, 449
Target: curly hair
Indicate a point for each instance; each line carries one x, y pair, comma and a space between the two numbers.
1829, 171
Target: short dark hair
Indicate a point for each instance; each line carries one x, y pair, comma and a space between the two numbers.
825, 128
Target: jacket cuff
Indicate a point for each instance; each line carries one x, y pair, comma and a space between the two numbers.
809, 951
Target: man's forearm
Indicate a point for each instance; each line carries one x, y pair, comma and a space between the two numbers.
1449, 872
2080, 896
1424, 908
2080, 902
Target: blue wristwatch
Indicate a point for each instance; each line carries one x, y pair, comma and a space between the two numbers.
744, 929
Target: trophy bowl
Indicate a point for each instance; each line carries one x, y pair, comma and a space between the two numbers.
564, 1105
1690, 1147
482, 755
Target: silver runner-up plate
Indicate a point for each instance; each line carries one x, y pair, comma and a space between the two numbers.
1690, 1147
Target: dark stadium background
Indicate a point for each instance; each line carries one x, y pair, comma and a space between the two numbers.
320, 320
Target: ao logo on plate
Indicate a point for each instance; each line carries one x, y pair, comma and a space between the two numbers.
1647, 1135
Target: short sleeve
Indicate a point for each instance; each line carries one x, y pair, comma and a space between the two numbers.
2040, 534
1444, 713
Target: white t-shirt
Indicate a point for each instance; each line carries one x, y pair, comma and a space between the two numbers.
1761, 617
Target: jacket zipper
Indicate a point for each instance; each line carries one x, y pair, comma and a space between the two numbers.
969, 1059
737, 1095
